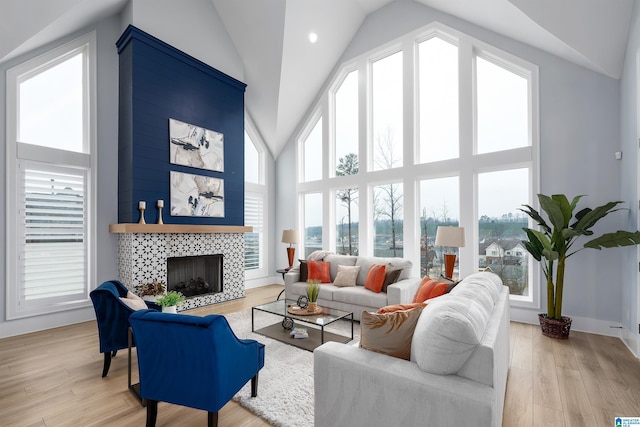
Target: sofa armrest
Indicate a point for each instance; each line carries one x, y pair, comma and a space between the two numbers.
354, 386
290, 278
403, 291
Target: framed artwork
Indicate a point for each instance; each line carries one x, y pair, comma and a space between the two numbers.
196, 195
191, 145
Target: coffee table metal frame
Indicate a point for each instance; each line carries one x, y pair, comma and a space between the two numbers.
327, 317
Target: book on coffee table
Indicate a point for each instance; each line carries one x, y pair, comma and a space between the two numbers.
299, 333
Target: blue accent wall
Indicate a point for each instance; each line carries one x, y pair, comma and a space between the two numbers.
159, 82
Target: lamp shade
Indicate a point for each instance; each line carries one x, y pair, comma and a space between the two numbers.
289, 236
450, 236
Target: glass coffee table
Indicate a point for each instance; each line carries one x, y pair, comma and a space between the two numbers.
315, 324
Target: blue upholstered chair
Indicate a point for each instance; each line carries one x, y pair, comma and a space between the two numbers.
112, 316
192, 361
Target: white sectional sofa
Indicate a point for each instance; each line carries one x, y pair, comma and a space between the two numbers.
356, 299
457, 374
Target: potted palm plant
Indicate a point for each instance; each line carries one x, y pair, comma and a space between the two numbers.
170, 301
552, 244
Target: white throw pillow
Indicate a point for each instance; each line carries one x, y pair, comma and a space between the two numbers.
134, 302
447, 333
346, 275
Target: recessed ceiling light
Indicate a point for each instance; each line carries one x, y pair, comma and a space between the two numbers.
313, 37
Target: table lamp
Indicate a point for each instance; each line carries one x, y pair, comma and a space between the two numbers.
290, 237
454, 238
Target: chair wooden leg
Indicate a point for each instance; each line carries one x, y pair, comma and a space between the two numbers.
152, 412
212, 419
254, 386
107, 363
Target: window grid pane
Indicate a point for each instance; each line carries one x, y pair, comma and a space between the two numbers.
253, 247
51, 111
312, 223
438, 65
313, 154
501, 251
347, 225
251, 161
346, 119
388, 220
53, 257
502, 108
439, 205
387, 112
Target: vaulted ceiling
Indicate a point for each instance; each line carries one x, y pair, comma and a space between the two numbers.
285, 71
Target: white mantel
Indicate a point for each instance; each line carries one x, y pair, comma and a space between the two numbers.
143, 250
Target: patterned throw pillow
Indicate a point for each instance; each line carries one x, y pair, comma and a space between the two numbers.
346, 275
375, 278
389, 333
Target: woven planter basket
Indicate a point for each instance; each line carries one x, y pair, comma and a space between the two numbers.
552, 328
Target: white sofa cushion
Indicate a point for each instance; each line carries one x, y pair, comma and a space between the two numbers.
336, 260
347, 275
447, 332
326, 290
358, 295
365, 264
483, 280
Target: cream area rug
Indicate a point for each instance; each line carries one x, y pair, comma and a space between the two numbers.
285, 384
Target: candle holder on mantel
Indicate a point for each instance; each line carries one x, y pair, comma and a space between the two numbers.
160, 206
141, 207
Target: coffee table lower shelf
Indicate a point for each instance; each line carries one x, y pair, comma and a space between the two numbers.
277, 332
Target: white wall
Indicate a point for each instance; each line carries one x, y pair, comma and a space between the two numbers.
207, 41
579, 133
629, 302
107, 32
196, 30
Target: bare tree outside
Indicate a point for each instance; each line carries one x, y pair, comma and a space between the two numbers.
387, 200
347, 165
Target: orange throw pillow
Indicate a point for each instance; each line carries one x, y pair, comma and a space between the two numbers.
375, 278
319, 270
438, 290
430, 288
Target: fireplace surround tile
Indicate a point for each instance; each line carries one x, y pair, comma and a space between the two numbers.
142, 257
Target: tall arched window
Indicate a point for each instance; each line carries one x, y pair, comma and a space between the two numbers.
255, 205
451, 139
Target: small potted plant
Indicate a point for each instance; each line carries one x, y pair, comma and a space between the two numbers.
151, 291
170, 301
313, 288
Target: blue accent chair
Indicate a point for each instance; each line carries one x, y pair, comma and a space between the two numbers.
192, 361
112, 316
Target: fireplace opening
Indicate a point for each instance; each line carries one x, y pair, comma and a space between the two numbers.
195, 275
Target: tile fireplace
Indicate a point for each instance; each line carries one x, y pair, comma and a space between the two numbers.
144, 251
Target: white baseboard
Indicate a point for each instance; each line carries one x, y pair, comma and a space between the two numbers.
581, 324
262, 281
27, 325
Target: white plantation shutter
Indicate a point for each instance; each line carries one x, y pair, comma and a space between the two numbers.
52, 234
253, 242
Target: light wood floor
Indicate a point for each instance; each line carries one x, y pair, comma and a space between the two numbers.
52, 378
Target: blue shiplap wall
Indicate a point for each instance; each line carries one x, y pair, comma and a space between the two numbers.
158, 82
